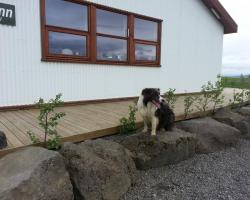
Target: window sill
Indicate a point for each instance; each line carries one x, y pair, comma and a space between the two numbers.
79, 61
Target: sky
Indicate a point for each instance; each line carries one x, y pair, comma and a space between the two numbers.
236, 51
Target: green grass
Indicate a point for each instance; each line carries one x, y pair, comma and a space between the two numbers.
242, 82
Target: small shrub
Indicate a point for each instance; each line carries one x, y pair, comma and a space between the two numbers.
48, 120
170, 97
188, 103
242, 97
54, 142
238, 99
247, 95
205, 98
217, 97
128, 125
33, 137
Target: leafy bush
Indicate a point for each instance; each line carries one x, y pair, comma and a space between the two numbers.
33, 137
205, 98
217, 97
189, 101
170, 97
48, 120
211, 94
247, 94
128, 125
238, 99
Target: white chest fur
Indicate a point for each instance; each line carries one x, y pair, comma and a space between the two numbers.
146, 111
148, 115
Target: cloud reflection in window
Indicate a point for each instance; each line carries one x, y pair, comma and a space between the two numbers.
66, 14
67, 44
146, 30
111, 49
111, 23
145, 52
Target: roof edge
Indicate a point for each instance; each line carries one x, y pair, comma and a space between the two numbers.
221, 14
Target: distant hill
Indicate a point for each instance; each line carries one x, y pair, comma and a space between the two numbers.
236, 76
242, 82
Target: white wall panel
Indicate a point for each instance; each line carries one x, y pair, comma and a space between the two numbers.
191, 55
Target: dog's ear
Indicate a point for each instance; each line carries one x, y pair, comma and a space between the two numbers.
159, 90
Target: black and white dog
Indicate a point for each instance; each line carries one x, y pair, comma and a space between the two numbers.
155, 111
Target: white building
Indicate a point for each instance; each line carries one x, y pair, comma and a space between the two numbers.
106, 49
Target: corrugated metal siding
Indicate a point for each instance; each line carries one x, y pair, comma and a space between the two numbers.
191, 54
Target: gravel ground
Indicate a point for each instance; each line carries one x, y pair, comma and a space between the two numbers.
220, 175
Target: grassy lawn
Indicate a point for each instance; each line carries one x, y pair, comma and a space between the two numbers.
236, 82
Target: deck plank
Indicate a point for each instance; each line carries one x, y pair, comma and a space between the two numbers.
13, 141
22, 136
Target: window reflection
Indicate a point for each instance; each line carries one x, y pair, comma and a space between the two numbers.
67, 44
146, 30
66, 14
145, 52
111, 49
111, 23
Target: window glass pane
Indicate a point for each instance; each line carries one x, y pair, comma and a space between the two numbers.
111, 49
146, 30
111, 23
67, 44
145, 52
66, 14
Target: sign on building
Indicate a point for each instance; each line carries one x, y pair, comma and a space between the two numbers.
7, 14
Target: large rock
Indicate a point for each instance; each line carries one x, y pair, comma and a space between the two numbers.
233, 119
245, 111
165, 148
99, 169
3, 140
212, 135
34, 174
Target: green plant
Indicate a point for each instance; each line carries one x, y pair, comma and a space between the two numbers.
128, 125
242, 97
189, 100
170, 97
217, 96
205, 98
33, 137
247, 95
48, 120
54, 142
238, 99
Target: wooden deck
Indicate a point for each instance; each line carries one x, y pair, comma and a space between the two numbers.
80, 123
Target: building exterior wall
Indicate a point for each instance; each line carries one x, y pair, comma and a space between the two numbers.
192, 41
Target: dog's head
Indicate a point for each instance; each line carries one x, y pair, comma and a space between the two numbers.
150, 94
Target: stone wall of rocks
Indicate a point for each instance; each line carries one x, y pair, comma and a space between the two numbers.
104, 169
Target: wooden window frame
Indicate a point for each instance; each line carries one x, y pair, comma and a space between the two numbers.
91, 38
148, 42
126, 38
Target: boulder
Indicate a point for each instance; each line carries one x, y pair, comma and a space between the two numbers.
244, 111
233, 119
99, 169
212, 135
163, 149
34, 173
3, 140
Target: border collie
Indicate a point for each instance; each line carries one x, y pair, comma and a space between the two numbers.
155, 111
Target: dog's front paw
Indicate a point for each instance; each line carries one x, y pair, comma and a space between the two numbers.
145, 130
153, 134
